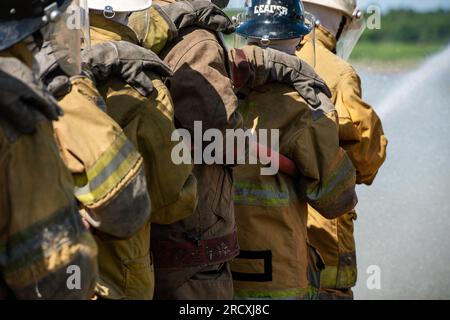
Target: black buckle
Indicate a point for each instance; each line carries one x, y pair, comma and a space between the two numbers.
195, 238
255, 277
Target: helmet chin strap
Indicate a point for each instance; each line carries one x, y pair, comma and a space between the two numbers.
341, 28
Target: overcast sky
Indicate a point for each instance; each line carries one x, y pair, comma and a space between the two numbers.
422, 5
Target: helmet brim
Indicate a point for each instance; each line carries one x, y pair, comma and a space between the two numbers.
14, 31
120, 5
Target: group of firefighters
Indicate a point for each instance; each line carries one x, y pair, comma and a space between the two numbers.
91, 92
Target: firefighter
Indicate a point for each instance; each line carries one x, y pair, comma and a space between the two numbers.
360, 134
42, 238
271, 210
107, 170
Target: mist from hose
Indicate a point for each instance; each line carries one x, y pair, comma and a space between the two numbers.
416, 80
403, 220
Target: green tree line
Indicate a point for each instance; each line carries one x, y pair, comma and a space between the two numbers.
412, 27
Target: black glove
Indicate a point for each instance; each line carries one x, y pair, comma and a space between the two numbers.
21, 95
200, 13
291, 70
125, 60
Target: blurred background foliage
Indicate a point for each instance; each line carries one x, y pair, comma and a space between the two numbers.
405, 35
409, 26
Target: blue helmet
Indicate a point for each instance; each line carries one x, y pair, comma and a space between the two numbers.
274, 20
21, 18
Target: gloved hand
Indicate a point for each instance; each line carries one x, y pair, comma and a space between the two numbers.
200, 13
255, 66
21, 95
57, 82
291, 70
125, 60
59, 86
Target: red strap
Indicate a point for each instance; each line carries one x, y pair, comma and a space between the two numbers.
240, 68
285, 164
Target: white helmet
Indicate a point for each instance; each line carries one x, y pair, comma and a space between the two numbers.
119, 5
354, 27
348, 7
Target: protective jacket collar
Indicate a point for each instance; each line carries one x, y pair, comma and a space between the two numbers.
324, 37
103, 29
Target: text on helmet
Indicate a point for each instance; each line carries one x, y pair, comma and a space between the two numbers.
270, 8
